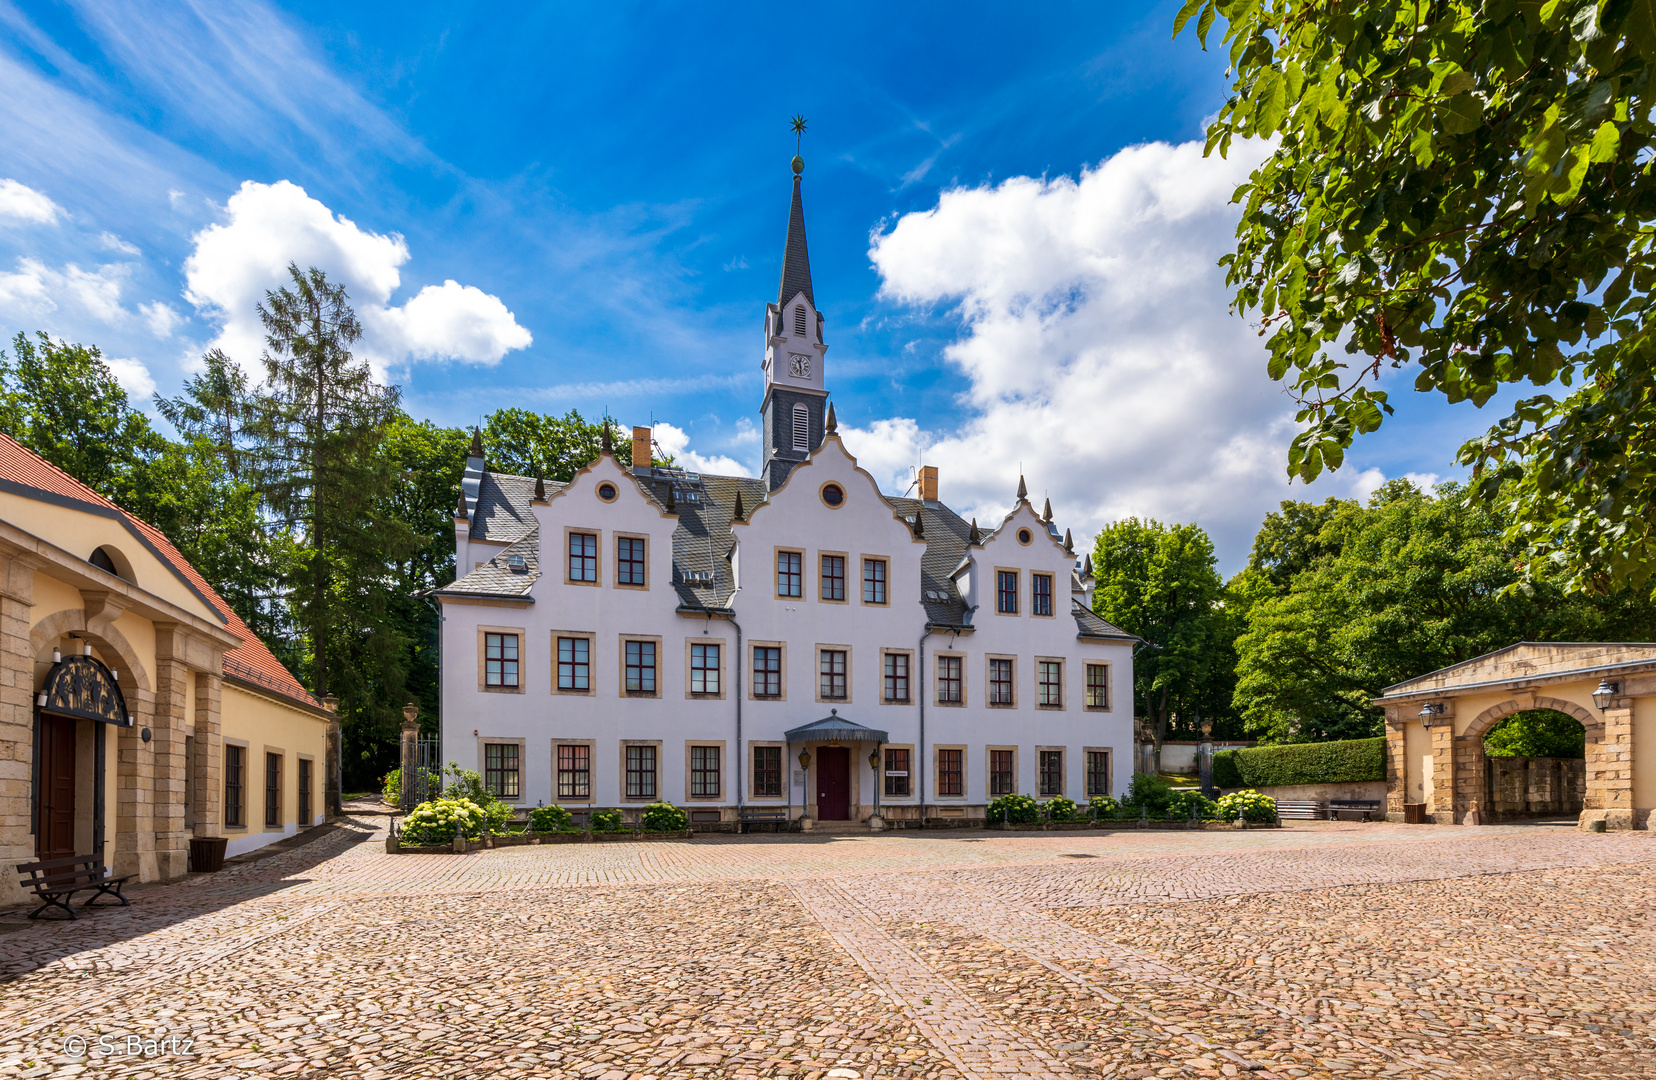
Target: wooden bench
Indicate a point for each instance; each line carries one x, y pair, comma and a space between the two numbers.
56, 881
1367, 807
1311, 810
762, 815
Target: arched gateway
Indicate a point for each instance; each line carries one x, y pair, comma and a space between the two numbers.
1435, 727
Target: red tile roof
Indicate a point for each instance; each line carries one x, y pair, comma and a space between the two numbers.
251, 661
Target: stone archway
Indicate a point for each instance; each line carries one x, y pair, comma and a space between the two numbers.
1471, 772
105, 638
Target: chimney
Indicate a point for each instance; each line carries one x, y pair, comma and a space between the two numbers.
928, 483
641, 447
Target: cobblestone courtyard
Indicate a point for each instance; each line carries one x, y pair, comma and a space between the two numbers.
1322, 950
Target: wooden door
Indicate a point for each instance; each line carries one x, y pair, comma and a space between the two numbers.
55, 829
834, 783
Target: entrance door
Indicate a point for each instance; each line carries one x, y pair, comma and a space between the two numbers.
834, 783
55, 829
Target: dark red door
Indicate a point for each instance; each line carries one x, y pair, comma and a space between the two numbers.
55, 830
834, 783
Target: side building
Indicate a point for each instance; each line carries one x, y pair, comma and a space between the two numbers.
799, 640
136, 710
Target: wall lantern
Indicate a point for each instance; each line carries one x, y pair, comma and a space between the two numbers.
1606, 693
874, 759
1429, 712
804, 759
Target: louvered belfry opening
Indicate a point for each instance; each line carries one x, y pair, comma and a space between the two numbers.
799, 319
801, 428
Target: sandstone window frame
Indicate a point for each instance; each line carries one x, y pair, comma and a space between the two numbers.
591, 639
694, 774
1045, 687
959, 681
824, 651
781, 793
590, 798
991, 668
1000, 772
949, 774
627, 770
522, 636
781, 673
623, 565
653, 668
597, 556
1091, 774
717, 671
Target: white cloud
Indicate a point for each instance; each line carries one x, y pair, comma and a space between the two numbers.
35, 289
268, 226
1100, 352
451, 320
23, 203
162, 319
110, 242
133, 376
676, 443
23, 292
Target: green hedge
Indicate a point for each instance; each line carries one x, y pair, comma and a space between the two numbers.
1345, 762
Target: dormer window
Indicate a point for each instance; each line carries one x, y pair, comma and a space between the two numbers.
801, 428
799, 320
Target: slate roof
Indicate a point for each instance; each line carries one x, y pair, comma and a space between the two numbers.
796, 263
702, 543
26, 472
496, 577
501, 514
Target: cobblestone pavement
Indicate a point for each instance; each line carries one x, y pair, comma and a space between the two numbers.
1322, 950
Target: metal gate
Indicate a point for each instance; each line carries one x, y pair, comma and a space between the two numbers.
422, 776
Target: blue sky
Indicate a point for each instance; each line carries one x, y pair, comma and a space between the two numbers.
1008, 282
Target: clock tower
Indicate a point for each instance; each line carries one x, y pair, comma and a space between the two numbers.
796, 394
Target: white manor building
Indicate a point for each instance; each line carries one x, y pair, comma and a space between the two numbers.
798, 642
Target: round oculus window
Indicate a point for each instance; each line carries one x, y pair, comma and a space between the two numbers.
1025, 536
833, 495
606, 491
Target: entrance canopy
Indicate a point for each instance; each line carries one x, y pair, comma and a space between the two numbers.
835, 728
83, 687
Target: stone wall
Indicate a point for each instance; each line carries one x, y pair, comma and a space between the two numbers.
1535, 787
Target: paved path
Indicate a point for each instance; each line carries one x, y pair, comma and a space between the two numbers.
1321, 950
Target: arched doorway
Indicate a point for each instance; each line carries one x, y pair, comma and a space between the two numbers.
1535, 766
80, 701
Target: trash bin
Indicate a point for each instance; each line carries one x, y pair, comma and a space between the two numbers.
207, 853
1414, 813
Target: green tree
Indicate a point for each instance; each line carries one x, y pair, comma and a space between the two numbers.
1462, 188
1158, 582
316, 431
555, 447
1293, 539
1421, 580
1537, 733
61, 401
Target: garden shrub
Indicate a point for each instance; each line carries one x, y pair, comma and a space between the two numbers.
663, 817
1104, 806
1015, 809
549, 819
498, 813
1149, 792
1183, 801
1059, 808
1249, 805
436, 821
1225, 772
1345, 762
604, 821
391, 787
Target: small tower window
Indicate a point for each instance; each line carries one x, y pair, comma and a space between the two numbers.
799, 320
801, 428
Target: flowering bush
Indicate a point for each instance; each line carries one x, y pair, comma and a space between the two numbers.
604, 820
1184, 801
1249, 805
1058, 808
549, 819
436, 822
663, 817
1016, 809
1104, 806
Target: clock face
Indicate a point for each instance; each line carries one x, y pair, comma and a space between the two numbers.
801, 365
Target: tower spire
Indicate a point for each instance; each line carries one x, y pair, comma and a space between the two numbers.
796, 263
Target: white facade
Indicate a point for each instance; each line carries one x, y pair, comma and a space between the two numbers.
902, 639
